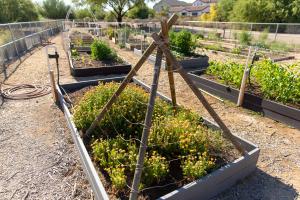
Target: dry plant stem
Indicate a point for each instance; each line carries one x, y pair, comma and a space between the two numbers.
128, 78
211, 111
165, 33
146, 130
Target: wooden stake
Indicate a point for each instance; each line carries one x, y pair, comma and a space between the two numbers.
127, 79
165, 33
53, 88
148, 122
244, 81
198, 93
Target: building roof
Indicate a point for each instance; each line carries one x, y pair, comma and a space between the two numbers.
187, 8
171, 3
207, 1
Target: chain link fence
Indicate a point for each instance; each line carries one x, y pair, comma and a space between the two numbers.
288, 33
16, 39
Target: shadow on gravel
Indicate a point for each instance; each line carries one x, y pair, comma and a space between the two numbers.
258, 186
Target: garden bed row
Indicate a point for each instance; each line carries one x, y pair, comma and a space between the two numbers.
274, 110
103, 62
206, 187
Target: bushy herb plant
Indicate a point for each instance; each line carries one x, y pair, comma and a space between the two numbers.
183, 42
102, 51
182, 137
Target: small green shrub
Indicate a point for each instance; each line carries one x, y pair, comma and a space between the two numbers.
102, 51
245, 38
262, 41
183, 42
74, 53
110, 32
237, 50
279, 46
213, 36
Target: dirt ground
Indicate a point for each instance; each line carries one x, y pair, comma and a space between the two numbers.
39, 161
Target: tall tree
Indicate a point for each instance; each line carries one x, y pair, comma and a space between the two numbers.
119, 8
17, 11
224, 8
54, 9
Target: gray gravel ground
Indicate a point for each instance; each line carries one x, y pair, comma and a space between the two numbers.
38, 159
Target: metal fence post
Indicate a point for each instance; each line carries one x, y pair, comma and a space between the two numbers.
277, 27
13, 41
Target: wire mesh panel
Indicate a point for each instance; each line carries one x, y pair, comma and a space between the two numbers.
16, 39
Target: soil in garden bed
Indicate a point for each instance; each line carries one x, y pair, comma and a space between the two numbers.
173, 180
84, 60
253, 89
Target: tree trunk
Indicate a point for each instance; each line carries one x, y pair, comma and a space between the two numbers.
119, 19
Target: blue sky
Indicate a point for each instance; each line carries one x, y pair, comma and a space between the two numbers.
149, 4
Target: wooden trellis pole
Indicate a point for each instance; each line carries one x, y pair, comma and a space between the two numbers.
127, 79
165, 33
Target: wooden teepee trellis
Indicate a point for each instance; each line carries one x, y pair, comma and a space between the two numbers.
161, 42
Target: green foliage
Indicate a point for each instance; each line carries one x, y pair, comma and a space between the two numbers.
102, 51
229, 73
119, 8
263, 39
183, 42
110, 32
245, 38
277, 82
213, 36
54, 9
272, 11
197, 166
141, 12
237, 50
83, 14
279, 46
74, 53
17, 11
213, 47
280, 83
172, 136
109, 17
224, 8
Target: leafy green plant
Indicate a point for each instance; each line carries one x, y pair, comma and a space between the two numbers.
277, 82
262, 41
245, 38
280, 83
102, 51
229, 73
237, 50
183, 42
74, 53
213, 36
214, 47
110, 32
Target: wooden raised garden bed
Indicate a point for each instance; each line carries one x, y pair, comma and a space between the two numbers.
191, 64
271, 109
92, 68
206, 187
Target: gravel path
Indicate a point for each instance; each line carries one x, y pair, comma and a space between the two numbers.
278, 173
38, 159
